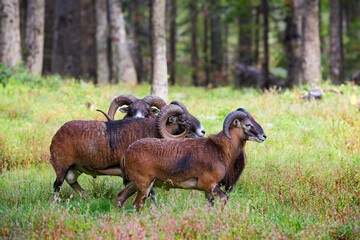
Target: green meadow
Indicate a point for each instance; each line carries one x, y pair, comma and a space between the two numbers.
302, 182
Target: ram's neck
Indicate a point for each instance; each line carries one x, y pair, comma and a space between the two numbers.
230, 149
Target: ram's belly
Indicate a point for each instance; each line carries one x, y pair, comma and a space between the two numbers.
187, 184
111, 171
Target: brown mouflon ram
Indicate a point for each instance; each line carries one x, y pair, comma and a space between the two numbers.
96, 147
136, 108
203, 163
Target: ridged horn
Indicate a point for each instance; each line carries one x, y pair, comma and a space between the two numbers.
179, 103
229, 119
155, 101
105, 114
119, 101
163, 116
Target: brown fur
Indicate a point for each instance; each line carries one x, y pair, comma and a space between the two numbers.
200, 164
96, 148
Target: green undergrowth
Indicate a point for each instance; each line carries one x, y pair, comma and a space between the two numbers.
302, 182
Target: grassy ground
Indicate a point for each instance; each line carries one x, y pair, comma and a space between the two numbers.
302, 182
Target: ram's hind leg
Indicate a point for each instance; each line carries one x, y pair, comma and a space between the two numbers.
71, 178
143, 191
139, 200
124, 194
60, 177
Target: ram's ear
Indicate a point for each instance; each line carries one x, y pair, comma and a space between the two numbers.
124, 109
155, 110
173, 119
236, 122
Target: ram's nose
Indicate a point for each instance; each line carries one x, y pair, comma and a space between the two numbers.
200, 131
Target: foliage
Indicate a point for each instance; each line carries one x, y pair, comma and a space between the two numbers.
302, 182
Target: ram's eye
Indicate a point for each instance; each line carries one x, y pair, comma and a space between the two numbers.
248, 125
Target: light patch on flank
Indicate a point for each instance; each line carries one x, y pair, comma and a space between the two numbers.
111, 171
150, 187
191, 183
71, 176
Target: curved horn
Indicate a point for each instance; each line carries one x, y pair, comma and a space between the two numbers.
155, 101
229, 119
162, 118
178, 103
118, 101
106, 115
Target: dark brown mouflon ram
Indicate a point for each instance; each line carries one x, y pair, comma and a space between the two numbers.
136, 108
203, 163
96, 147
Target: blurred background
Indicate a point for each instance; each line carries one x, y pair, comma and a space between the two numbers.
260, 43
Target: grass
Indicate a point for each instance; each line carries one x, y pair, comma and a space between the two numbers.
302, 182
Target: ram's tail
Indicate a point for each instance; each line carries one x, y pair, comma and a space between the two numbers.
125, 177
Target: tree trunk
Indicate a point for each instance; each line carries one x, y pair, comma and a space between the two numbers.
66, 57
216, 46
159, 86
48, 35
205, 46
172, 41
135, 46
123, 64
225, 62
352, 31
292, 40
34, 40
245, 32
194, 48
336, 47
102, 64
88, 39
311, 43
151, 41
265, 66
257, 35
10, 43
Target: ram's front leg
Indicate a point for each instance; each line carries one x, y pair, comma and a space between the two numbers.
210, 198
218, 192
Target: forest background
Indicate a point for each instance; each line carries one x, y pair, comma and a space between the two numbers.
202, 43
61, 60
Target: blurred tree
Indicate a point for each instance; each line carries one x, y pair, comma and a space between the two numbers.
256, 41
311, 43
66, 57
245, 32
10, 42
34, 40
352, 35
265, 65
216, 44
205, 45
159, 85
102, 63
336, 46
135, 46
151, 64
48, 35
172, 44
123, 67
293, 36
194, 46
88, 39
